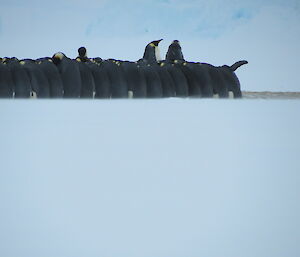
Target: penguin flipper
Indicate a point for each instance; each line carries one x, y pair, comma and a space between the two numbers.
238, 64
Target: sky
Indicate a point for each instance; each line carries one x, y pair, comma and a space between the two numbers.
144, 178
266, 33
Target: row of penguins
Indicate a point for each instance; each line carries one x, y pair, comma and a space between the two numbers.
61, 77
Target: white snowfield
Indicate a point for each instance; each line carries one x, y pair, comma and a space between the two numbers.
150, 178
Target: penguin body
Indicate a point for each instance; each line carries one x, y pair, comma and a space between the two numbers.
194, 86
21, 79
167, 83
118, 83
154, 86
174, 52
87, 79
70, 74
180, 82
101, 80
218, 82
203, 78
6, 82
231, 79
136, 80
39, 82
51, 72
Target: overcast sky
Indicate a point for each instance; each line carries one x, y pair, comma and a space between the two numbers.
266, 33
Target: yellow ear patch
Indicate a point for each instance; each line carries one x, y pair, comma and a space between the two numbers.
78, 59
151, 44
59, 55
162, 64
22, 62
176, 61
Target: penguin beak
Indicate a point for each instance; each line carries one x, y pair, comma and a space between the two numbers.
157, 42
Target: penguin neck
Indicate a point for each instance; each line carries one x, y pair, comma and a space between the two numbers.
157, 54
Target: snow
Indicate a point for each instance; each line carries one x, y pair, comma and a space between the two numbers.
144, 178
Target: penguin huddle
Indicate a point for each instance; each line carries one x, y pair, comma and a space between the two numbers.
150, 77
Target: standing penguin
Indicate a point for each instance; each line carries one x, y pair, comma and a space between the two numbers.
101, 79
51, 72
70, 75
6, 82
194, 86
179, 79
87, 79
174, 52
231, 79
39, 82
203, 78
152, 53
136, 80
218, 82
21, 79
118, 83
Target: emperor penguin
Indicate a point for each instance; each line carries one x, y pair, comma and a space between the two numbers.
174, 52
6, 82
101, 79
51, 72
194, 87
118, 83
87, 79
137, 84
179, 79
218, 83
21, 79
154, 85
230, 78
39, 82
152, 52
203, 78
70, 75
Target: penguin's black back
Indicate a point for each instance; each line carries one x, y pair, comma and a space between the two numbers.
87, 80
51, 72
218, 82
136, 80
21, 79
203, 78
39, 82
181, 84
118, 83
6, 82
167, 83
154, 86
231, 81
70, 74
101, 80
191, 78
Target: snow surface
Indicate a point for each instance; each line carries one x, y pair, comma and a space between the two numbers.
149, 178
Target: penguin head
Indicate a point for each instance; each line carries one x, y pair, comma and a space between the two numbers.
176, 42
82, 52
155, 43
57, 58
